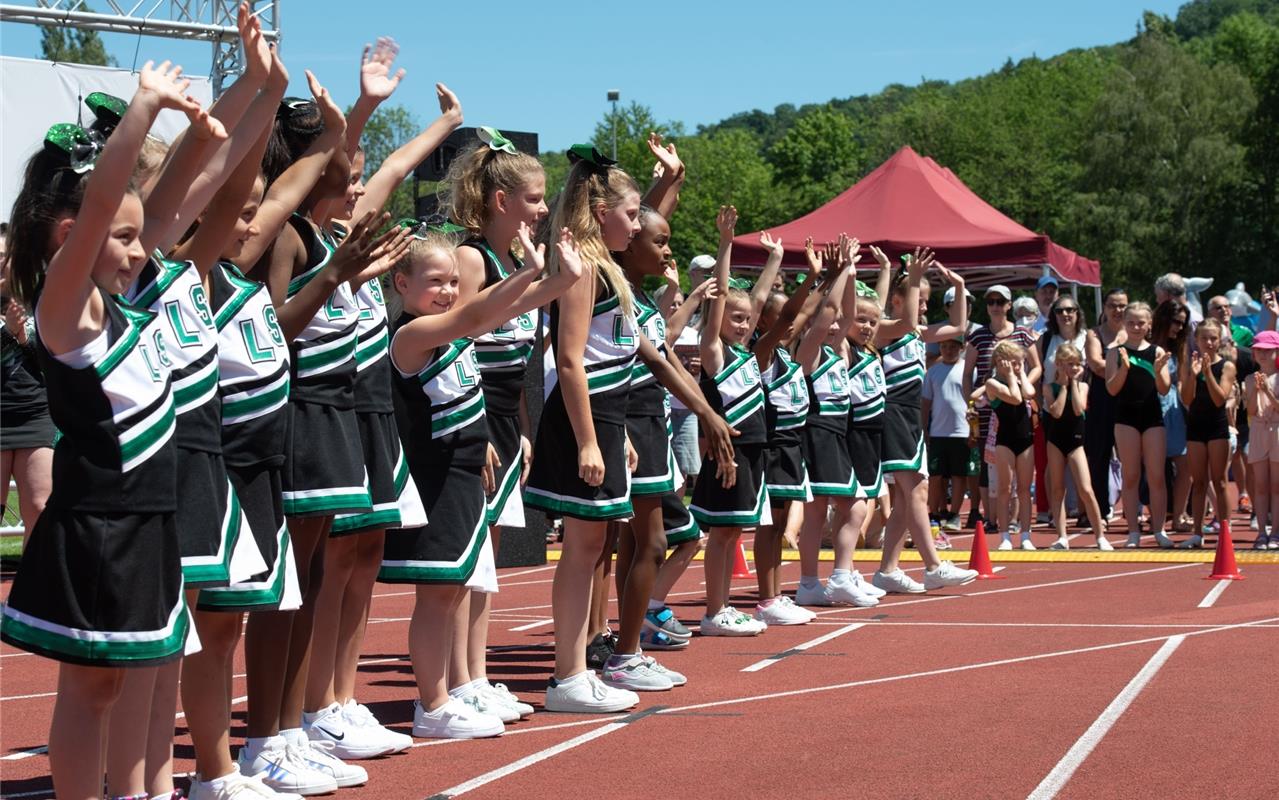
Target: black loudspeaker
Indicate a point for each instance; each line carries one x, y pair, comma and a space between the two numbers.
436, 165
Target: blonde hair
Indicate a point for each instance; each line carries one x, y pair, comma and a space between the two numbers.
420, 247
1138, 306
1010, 350
869, 303
1067, 352
1209, 324
584, 189
475, 175
150, 158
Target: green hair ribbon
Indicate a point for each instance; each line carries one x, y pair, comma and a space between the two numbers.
587, 152
495, 140
865, 291
107, 110
74, 143
740, 284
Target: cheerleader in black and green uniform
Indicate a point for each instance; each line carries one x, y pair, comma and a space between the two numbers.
900, 341
440, 410
732, 385
660, 520
582, 459
100, 585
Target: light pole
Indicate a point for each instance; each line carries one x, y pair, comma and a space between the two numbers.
613, 96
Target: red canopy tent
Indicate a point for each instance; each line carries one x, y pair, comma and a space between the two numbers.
909, 201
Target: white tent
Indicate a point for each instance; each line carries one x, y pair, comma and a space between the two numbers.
35, 94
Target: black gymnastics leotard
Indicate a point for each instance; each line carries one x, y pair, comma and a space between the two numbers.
1015, 430
1067, 431
1205, 420
1137, 404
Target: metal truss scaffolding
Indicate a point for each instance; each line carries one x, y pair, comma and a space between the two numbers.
201, 20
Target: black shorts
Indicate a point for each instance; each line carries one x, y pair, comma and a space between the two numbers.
951, 457
1206, 428
1142, 417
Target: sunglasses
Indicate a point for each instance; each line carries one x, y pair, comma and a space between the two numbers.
1065, 311
996, 301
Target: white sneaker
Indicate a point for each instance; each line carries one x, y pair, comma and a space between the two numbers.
319, 757
789, 603
346, 741
676, 678
866, 586
235, 787
281, 768
729, 622
947, 574
1026, 544
897, 582
1060, 544
780, 612
454, 720
1005, 544
635, 673
817, 596
1104, 544
359, 715
848, 593
586, 694
476, 700
499, 693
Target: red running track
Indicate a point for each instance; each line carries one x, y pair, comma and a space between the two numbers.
1076, 680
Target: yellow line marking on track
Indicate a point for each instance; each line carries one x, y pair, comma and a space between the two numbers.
1045, 556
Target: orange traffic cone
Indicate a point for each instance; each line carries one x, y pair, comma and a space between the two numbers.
740, 568
1223, 563
979, 559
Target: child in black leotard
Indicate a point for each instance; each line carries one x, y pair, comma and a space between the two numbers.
1008, 390
1207, 379
1136, 374
1066, 403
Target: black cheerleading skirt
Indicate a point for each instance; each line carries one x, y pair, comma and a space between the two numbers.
830, 464
903, 440
208, 519
864, 447
275, 587
786, 468
553, 483
324, 471
655, 471
743, 506
505, 506
392, 493
26, 431
447, 548
99, 589
677, 523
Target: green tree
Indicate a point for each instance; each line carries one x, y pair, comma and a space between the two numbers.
723, 168
72, 46
819, 157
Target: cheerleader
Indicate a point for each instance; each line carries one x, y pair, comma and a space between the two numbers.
900, 341
1207, 379
110, 392
333, 715
732, 385
826, 450
1135, 377
661, 519
582, 459
440, 410
785, 409
490, 191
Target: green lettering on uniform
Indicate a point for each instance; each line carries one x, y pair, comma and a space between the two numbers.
201, 303
621, 338
273, 325
525, 321
331, 311
161, 351
795, 395
258, 351
465, 376
868, 382
375, 289
146, 356
185, 337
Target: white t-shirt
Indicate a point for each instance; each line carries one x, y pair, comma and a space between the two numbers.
689, 337
1050, 357
944, 388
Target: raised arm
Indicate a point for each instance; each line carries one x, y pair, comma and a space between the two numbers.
764, 285
377, 83
810, 346
289, 190
711, 346
68, 286
892, 329
785, 328
957, 325
663, 195
397, 166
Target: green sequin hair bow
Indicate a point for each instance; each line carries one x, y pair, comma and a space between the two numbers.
598, 162
75, 144
865, 291
740, 284
495, 140
107, 110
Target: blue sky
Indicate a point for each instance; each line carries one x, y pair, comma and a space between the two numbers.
547, 67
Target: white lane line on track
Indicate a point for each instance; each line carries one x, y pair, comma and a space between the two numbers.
867, 682
1210, 599
1083, 747
1125, 625
531, 625
527, 761
811, 643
